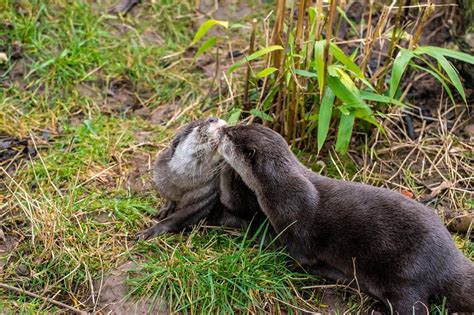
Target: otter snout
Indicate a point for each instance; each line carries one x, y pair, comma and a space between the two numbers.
215, 124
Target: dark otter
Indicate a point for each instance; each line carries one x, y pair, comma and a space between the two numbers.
190, 175
392, 247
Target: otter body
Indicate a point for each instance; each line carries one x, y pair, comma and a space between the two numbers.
395, 248
190, 175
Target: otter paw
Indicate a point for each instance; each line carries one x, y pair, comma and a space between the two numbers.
163, 214
152, 232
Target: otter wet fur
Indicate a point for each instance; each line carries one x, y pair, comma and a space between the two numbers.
386, 244
187, 175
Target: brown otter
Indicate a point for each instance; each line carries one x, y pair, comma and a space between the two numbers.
194, 180
392, 247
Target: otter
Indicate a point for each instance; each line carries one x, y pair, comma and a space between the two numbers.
197, 184
386, 244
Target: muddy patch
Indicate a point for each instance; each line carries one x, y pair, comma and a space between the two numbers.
331, 302
113, 295
140, 173
228, 10
160, 115
8, 243
121, 96
12, 152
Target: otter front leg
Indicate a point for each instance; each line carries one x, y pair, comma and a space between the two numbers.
166, 210
182, 218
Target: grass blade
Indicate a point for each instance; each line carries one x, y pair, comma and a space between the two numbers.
260, 114
325, 113
204, 47
344, 88
344, 133
305, 73
370, 96
319, 61
255, 55
448, 68
234, 116
399, 66
266, 72
439, 78
346, 61
447, 53
206, 26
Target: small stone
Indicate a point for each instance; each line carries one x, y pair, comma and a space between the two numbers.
469, 129
469, 39
22, 270
3, 58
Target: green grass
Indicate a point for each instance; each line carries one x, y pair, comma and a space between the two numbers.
71, 206
210, 272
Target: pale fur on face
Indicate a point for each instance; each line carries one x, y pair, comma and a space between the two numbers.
184, 161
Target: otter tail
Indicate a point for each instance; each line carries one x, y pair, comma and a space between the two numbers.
460, 290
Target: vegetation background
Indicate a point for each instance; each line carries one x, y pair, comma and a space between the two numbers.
90, 91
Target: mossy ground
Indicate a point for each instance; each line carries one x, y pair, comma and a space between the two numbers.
85, 88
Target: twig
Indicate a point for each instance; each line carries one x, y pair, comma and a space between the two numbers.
49, 300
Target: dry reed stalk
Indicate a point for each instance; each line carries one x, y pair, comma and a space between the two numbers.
429, 9
393, 43
382, 22
319, 21
368, 35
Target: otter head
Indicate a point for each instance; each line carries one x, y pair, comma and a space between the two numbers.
193, 149
257, 153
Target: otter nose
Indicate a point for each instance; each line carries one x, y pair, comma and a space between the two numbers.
213, 120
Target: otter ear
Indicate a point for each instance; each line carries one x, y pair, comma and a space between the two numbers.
174, 143
249, 153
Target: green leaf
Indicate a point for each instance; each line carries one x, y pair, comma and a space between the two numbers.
346, 61
439, 78
449, 69
305, 73
446, 52
319, 61
207, 44
344, 133
363, 114
239, 26
343, 109
265, 72
204, 28
349, 21
325, 113
344, 88
269, 98
234, 116
253, 56
399, 66
370, 96
260, 114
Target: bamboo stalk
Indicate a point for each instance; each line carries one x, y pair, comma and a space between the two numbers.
247, 78
293, 110
327, 59
277, 39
